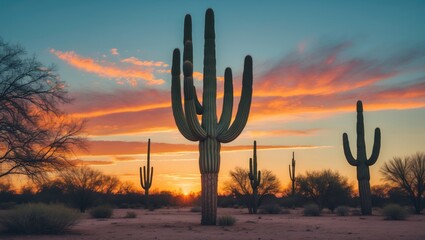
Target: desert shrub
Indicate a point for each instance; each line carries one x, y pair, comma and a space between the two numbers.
394, 212
342, 211
131, 214
270, 209
226, 220
196, 209
39, 219
7, 205
311, 210
356, 212
102, 211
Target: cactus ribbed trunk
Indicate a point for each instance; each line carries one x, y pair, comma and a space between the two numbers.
255, 201
209, 163
147, 199
210, 133
365, 197
362, 163
209, 198
209, 156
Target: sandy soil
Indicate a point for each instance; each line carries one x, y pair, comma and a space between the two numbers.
183, 224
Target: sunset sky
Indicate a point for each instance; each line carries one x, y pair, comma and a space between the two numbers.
312, 61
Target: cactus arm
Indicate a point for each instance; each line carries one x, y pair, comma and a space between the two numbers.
150, 176
376, 148
244, 105
290, 174
176, 100
259, 178
209, 116
188, 53
145, 179
141, 179
189, 104
347, 151
226, 113
251, 177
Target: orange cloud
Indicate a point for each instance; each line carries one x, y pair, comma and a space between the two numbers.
89, 104
138, 62
114, 51
79, 162
317, 82
107, 70
282, 132
113, 148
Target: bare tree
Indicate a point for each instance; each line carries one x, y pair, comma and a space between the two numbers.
82, 183
239, 185
326, 188
409, 175
36, 137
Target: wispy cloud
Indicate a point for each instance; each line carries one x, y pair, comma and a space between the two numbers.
282, 132
114, 51
116, 148
330, 79
130, 75
317, 82
80, 162
138, 62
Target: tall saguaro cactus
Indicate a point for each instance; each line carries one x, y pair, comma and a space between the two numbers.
254, 179
210, 133
146, 175
362, 163
292, 177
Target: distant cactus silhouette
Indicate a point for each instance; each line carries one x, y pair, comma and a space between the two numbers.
254, 179
146, 176
209, 133
292, 177
362, 163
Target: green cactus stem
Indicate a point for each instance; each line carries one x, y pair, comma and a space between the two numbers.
292, 177
146, 176
362, 162
254, 179
210, 133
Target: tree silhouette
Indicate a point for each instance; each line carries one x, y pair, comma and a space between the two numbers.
240, 185
326, 188
409, 175
35, 135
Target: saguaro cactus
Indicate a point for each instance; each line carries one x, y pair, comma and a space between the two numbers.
292, 177
209, 133
254, 179
362, 163
146, 175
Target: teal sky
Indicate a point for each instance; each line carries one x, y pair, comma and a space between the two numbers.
312, 61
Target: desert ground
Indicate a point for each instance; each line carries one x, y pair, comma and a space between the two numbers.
181, 223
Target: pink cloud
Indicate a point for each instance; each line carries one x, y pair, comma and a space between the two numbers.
108, 70
138, 62
114, 51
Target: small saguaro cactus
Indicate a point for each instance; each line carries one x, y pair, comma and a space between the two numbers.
292, 177
146, 176
210, 133
254, 179
362, 162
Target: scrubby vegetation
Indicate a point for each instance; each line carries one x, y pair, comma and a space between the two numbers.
394, 212
271, 209
226, 220
39, 219
311, 210
103, 211
130, 214
196, 209
342, 211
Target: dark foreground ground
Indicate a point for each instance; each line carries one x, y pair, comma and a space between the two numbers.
183, 224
